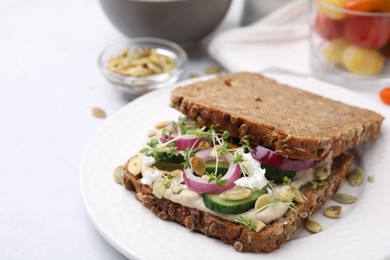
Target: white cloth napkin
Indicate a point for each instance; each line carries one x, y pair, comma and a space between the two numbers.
278, 40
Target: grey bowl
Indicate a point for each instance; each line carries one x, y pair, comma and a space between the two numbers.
181, 21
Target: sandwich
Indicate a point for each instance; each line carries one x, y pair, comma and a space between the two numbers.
240, 164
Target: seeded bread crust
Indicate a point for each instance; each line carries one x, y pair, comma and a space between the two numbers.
294, 123
272, 237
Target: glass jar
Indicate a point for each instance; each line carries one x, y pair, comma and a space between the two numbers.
350, 42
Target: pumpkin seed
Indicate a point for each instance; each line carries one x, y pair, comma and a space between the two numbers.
313, 226
159, 188
371, 179
356, 177
175, 173
237, 193
203, 145
118, 174
162, 149
263, 201
332, 212
212, 70
98, 112
134, 166
344, 198
322, 173
162, 124
140, 63
198, 165
193, 75
151, 133
176, 188
297, 195
285, 195
259, 225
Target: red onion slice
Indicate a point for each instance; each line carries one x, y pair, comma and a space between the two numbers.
202, 185
270, 158
188, 142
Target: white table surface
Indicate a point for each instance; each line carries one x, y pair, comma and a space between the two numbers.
49, 81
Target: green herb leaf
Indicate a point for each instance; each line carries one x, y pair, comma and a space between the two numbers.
238, 158
245, 144
247, 221
225, 135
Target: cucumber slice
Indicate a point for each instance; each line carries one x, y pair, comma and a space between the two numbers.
176, 159
217, 204
277, 175
222, 167
172, 163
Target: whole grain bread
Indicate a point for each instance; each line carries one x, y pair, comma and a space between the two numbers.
294, 123
272, 237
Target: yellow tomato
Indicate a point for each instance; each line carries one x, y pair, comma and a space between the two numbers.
362, 61
331, 8
333, 52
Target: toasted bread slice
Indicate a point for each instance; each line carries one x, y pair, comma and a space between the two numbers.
272, 237
294, 123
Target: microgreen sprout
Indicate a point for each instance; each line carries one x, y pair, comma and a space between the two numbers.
286, 180
150, 149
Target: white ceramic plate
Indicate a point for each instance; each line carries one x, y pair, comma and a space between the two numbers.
362, 233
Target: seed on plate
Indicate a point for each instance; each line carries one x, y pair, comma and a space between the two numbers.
371, 179
193, 75
98, 112
344, 198
237, 193
118, 177
212, 70
134, 166
263, 201
162, 124
198, 165
332, 212
313, 226
356, 177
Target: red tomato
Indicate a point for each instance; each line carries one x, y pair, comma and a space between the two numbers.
367, 32
328, 28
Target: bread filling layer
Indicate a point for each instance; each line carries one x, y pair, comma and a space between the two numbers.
192, 199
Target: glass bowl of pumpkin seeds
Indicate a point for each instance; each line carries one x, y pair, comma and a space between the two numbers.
140, 65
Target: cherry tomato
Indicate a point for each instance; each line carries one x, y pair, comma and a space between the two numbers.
368, 5
331, 8
362, 61
367, 31
385, 95
328, 28
333, 51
